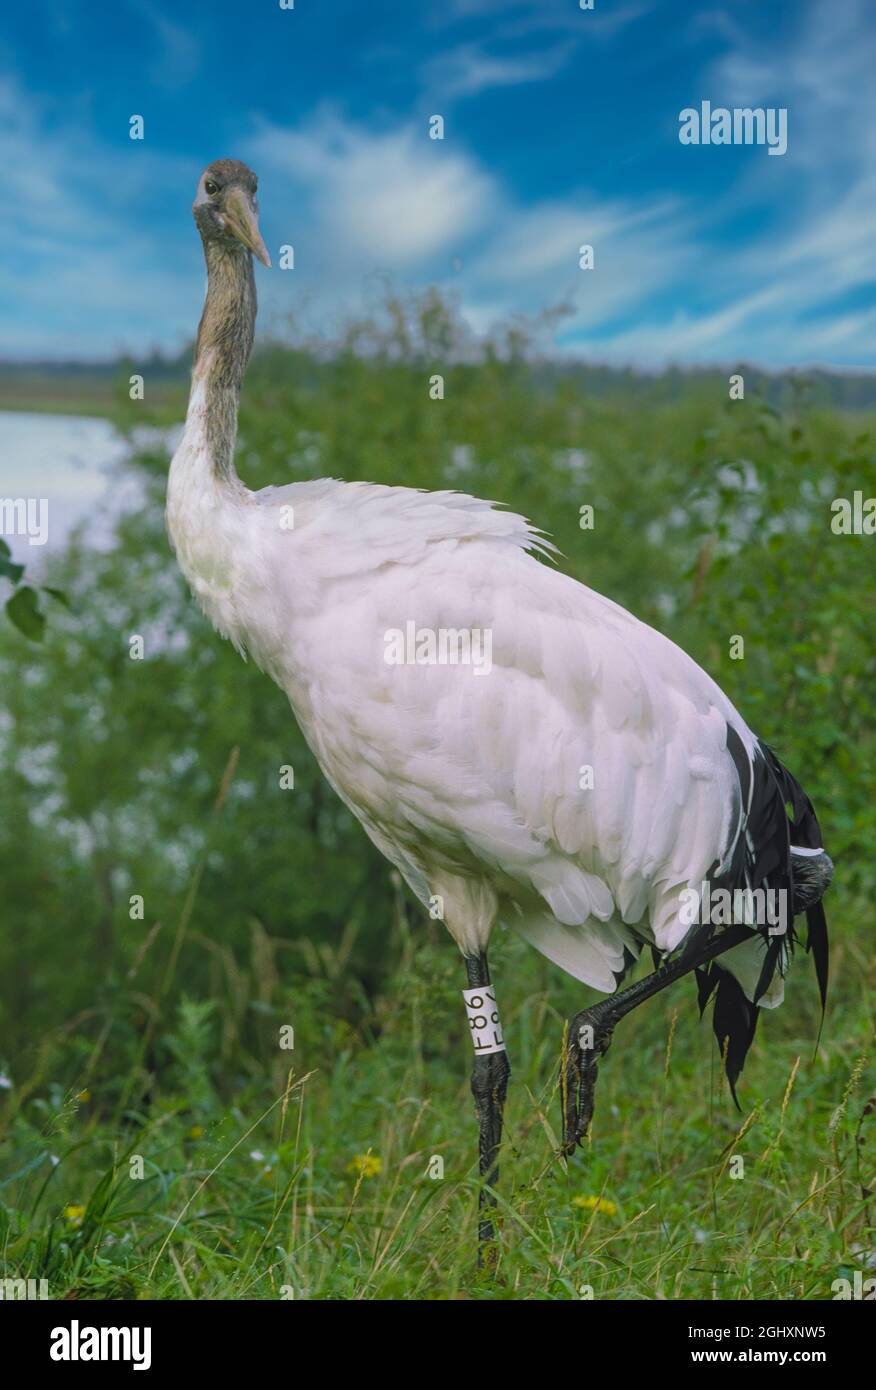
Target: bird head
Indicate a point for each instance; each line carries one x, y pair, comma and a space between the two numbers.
225, 207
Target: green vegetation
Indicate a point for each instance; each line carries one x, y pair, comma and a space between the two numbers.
156, 1037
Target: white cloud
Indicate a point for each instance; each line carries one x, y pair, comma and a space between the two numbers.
603, 21
819, 244
552, 30
468, 70
396, 198
532, 257
178, 52
84, 277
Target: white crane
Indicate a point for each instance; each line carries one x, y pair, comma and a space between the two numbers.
520, 748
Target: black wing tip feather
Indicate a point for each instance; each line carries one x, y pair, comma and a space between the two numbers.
819, 945
779, 814
735, 1023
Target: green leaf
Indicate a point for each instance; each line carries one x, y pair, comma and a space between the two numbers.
9, 569
23, 610
4, 548
59, 596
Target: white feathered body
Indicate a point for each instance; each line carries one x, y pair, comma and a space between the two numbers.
474, 784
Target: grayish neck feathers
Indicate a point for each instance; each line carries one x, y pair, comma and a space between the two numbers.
225, 338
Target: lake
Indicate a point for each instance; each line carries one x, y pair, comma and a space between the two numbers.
60, 470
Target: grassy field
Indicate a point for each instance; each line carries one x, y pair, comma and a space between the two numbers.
306, 1173
174, 911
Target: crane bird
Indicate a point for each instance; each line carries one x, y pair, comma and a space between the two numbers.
452, 687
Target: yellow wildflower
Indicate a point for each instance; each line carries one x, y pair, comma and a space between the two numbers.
601, 1204
368, 1165
74, 1215
196, 1132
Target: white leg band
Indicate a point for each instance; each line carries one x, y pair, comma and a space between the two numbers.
483, 1019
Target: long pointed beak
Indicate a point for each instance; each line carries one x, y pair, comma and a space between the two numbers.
241, 221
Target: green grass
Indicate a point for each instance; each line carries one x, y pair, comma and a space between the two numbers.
250, 1186
87, 395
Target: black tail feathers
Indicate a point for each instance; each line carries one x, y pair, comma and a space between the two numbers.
776, 817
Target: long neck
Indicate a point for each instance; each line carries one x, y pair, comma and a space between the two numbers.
225, 336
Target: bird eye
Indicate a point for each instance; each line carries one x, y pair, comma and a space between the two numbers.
210, 187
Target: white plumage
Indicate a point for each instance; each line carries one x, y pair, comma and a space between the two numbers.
470, 784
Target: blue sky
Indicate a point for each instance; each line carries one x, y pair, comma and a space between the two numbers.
561, 127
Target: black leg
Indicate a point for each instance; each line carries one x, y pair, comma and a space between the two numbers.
489, 1085
590, 1032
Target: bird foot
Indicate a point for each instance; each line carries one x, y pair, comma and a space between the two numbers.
588, 1039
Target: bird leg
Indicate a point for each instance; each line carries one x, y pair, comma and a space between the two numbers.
588, 1038
590, 1032
489, 1085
